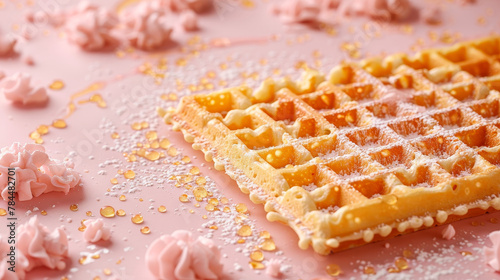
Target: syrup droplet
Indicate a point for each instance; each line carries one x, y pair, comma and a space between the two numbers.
145, 230
401, 263
210, 207
114, 181
257, 256
129, 174
153, 155
200, 193
57, 85
107, 212
245, 230
162, 209
214, 201
121, 212
115, 135
200, 181
183, 198
88, 213
241, 208
195, 171
3, 212
137, 219
42, 129
268, 245
73, 207
465, 253
333, 270
265, 234
122, 197
393, 270
257, 265
59, 123
43, 212
369, 270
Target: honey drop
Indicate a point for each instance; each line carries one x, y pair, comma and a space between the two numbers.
88, 213
369, 270
129, 174
256, 265
73, 207
162, 209
43, 212
42, 129
257, 256
120, 212
122, 197
57, 85
244, 231
114, 181
3, 212
107, 212
333, 270
137, 219
145, 230
195, 171
268, 245
183, 198
241, 208
401, 263
59, 123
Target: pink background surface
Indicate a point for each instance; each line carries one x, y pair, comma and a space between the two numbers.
89, 129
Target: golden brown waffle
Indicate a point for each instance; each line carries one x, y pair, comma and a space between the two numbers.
375, 149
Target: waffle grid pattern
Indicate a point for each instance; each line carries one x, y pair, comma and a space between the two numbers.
374, 149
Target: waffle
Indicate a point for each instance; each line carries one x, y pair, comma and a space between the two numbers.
374, 149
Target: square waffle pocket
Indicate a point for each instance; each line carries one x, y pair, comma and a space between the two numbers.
374, 149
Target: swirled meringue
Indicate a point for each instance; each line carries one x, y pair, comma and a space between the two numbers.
384, 10
21, 263
17, 88
297, 11
179, 256
492, 255
95, 231
448, 232
42, 247
177, 6
35, 172
91, 27
7, 44
146, 26
188, 21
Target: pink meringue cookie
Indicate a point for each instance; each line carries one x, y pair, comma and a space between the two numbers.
492, 254
91, 27
384, 10
17, 88
42, 247
146, 26
35, 172
7, 44
273, 268
298, 11
96, 230
178, 256
448, 232
188, 21
20, 259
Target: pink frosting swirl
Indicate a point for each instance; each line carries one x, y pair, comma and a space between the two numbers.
96, 230
492, 255
20, 261
448, 232
146, 26
17, 88
179, 256
36, 173
42, 247
91, 27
